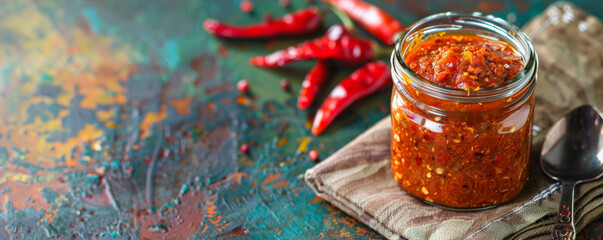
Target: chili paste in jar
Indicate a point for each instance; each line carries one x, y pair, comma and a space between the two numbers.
476, 154
465, 61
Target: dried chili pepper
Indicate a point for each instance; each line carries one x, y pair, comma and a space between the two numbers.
378, 22
312, 83
368, 79
338, 44
298, 23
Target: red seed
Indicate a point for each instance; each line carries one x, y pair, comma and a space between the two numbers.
313, 155
246, 6
285, 3
268, 17
243, 85
245, 148
164, 153
285, 84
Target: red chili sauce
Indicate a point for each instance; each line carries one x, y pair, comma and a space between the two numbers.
465, 61
478, 155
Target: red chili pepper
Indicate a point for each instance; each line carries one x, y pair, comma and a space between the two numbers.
312, 84
368, 79
378, 22
337, 44
298, 23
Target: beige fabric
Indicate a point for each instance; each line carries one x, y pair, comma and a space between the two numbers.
358, 177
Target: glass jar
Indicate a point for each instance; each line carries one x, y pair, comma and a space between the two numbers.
458, 148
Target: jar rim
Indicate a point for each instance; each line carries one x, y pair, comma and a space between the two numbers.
496, 25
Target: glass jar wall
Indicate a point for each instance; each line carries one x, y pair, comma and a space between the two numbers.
462, 148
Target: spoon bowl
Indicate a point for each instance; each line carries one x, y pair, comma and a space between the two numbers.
573, 153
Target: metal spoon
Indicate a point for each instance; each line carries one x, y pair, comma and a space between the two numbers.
573, 153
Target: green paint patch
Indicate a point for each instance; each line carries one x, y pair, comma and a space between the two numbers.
164, 78
171, 54
93, 19
45, 78
184, 189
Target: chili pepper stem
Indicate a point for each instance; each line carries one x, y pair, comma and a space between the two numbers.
382, 51
345, 20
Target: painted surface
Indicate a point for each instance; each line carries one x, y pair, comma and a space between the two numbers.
122, 119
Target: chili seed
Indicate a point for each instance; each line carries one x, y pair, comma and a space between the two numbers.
285, 3
313, 155
164, 153
246, 6
243, 85
245, 148
268, 17
285, 84
424, 190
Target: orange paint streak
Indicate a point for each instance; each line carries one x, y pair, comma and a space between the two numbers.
182, 106
349, 221
303, 145
49, 217
236, 177
282, 183
243, 100
215, 220
10, 234
210, 210
150, 119
103, 85
220, 229
211, 106
361, 229
316, 200
282, 142
104, 116
271, 177
21, 191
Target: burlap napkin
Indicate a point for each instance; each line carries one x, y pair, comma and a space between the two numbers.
358, 178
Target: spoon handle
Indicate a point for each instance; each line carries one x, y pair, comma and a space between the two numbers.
564, 224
